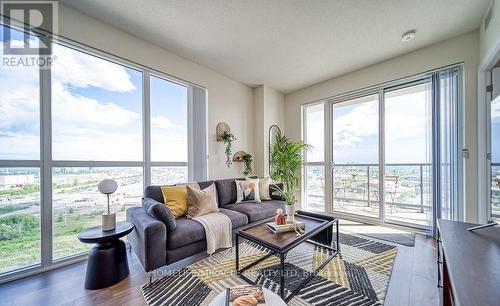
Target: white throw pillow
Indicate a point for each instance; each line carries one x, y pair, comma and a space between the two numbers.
247, 190
264, 192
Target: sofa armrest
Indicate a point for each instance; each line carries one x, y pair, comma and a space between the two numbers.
148, 239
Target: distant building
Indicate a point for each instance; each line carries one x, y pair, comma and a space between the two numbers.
16, 180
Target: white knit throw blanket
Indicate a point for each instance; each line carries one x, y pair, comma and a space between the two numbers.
217, 230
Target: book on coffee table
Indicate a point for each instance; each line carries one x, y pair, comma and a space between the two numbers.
282, 228
245, 295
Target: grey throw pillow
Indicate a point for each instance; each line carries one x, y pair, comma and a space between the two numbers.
160, 212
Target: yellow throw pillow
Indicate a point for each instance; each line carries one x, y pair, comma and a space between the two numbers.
175, 198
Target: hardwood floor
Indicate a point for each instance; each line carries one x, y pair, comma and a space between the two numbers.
413, 282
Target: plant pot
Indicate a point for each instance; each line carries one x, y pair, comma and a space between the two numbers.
108, 222
290, 211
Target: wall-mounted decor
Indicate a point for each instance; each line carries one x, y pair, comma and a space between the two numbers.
238, 156
220, 129
242, 156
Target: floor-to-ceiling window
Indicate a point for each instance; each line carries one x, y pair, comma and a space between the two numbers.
96, 117
169, 131
388, 150
64, 128
20, 226
314, 171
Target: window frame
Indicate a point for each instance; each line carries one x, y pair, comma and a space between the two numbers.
326, 133
46, 164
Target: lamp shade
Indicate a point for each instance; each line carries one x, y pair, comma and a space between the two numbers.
107, 186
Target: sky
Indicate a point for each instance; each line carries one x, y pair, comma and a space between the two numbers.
495, 130
96, 111
356, 135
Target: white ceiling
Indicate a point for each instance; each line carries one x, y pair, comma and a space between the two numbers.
287, 44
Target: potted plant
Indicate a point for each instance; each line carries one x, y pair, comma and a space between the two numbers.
247, 169
228, 138
287, 160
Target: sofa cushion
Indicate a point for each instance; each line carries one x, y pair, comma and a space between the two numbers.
160, 212
257, 211
154, 192
226, 191
237, 219
186, 231
205, 184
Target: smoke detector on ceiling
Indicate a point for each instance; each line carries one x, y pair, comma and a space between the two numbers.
408, 35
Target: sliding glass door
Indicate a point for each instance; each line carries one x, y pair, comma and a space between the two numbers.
494, 144
355, 169
408, 154
393, 152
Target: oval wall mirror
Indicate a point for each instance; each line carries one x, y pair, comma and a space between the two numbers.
273, 131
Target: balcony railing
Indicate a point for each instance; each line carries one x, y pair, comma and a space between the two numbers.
495, 190
407, 185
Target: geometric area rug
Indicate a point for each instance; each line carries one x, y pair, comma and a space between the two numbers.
358, 276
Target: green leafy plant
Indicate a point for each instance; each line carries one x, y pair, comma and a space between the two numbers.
18, 226
227, 139
247, 159
287, 160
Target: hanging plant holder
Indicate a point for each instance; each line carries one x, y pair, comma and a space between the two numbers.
222, 128
244, 157
238, 156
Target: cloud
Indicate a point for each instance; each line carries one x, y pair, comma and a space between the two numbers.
352, 128
162, 122
83, 128
81, 70
70, 110
19, 146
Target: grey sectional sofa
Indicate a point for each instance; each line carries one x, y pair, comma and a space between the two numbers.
155, 246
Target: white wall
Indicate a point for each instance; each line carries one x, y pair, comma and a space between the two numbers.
228, 100
464, 48
259, 145
269, 109
274, 113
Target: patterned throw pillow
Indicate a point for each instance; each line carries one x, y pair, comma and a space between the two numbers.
247, 190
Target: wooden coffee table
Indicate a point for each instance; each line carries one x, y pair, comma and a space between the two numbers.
280, 244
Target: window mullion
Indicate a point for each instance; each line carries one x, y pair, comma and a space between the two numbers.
146, 109
190, 126
46, 166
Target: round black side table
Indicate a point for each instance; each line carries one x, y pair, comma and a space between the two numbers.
107, 263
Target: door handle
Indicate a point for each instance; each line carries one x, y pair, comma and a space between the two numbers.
332, 166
